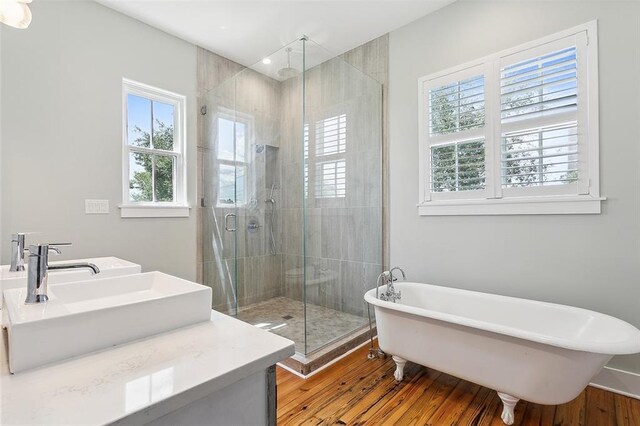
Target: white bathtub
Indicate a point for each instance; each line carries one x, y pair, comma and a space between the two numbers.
540, 352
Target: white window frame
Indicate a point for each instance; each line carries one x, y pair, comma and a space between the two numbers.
249, 122
580, 198
427, 140
179, 207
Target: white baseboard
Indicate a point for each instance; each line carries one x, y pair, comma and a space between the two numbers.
618, 381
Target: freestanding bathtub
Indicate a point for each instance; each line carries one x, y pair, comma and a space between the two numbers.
540, 352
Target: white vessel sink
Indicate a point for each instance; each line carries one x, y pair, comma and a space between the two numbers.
85, 316
109, 267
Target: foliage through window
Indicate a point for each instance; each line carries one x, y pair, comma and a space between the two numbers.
457, 166
520, 123
232, 139
456, 111
542, 87
154, 159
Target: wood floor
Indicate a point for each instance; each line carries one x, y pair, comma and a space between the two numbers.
360, 391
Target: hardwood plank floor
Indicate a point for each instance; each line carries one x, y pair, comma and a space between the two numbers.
358, 391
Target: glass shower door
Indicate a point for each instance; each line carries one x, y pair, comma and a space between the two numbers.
292, 231
223, 178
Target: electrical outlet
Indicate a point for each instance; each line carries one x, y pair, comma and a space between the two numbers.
96, 206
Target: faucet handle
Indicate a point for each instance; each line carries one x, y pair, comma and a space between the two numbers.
54, 247
16, 237
44, 248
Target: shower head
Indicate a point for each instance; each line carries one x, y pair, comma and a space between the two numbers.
259, 148
287, 72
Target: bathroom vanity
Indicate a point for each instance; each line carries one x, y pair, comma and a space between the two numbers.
215, 372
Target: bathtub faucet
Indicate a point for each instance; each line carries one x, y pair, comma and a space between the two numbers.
391, 291
390, 295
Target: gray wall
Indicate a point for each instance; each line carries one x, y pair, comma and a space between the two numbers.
587, 261
62, 131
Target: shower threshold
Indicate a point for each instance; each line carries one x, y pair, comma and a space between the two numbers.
330, 333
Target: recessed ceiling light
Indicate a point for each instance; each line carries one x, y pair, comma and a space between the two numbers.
15, 13
266, 61
223, 27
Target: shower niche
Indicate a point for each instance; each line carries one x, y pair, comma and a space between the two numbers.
292, 177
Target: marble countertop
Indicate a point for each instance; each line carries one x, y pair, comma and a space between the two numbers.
141, 381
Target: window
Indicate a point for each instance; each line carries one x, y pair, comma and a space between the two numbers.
326, 158
515, 132
233, 138
154, 183
457, 134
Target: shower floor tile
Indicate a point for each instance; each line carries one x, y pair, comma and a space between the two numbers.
285, 317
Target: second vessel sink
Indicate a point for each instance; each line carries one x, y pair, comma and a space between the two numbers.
85, 316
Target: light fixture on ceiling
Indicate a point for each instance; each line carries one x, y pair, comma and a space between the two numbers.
266, 61
15, 13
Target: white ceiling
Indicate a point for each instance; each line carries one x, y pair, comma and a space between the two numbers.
247, 31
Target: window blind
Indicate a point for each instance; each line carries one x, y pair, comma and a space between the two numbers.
332, 135
538, 157
542, 85
458, 166
456, 114
326, 167
306, 160
457, 106
331, 179
540, 90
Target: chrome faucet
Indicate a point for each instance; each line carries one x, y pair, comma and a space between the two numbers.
17, 252
390, 289
390, 295
39, 268
384, 276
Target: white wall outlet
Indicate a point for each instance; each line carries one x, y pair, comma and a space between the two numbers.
96, 206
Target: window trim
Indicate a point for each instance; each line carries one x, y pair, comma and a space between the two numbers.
179, 207
586, 199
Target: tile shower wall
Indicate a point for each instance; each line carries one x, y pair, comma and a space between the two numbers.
343, 234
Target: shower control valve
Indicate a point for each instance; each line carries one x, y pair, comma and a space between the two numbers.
253, 225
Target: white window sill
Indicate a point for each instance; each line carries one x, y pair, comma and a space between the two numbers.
559, 204
148, 211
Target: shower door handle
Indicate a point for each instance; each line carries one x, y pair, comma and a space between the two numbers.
226, 222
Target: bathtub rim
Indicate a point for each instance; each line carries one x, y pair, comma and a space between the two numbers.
625, 347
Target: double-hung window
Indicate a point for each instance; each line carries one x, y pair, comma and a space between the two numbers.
154, 183
515, 132
233, 138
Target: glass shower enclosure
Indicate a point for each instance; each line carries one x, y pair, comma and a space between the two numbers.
293, 194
